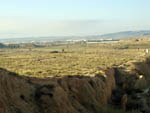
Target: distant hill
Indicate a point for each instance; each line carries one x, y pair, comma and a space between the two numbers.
115, 36
126, 34
2, 45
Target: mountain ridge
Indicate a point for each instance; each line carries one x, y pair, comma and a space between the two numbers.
123, 35
126, 34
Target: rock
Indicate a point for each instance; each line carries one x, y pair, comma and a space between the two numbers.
140, 83
144, 106
2, 108
69, 94
54, 52
124, 101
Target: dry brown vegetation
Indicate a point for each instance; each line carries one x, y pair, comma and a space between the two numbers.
123, 86
76, 59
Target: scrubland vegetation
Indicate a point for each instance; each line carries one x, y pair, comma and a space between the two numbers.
127, 84
71, 59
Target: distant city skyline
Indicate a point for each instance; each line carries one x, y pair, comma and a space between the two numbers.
35, 18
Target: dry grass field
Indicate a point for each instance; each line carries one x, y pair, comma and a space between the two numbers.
86, 59
77, 59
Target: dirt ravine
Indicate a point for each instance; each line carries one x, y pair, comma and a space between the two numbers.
76, 94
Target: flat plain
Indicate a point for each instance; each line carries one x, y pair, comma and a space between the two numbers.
71, 59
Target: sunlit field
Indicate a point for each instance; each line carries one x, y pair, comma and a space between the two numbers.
72, 59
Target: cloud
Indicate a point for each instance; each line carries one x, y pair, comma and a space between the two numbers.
35, 27
26, 26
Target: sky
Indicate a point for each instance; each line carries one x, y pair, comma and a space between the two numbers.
35, 18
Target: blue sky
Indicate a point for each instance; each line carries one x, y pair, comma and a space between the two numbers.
21, 18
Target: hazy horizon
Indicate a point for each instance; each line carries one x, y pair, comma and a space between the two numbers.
32, 18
